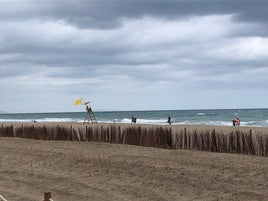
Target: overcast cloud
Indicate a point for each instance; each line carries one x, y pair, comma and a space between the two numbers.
133, 55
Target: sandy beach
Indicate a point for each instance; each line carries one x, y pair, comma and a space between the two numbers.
103, 171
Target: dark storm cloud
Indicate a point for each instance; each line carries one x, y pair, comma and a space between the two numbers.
107, 14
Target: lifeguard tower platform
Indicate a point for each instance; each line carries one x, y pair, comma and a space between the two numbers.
90, 118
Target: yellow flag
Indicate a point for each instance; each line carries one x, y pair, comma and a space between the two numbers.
78, 102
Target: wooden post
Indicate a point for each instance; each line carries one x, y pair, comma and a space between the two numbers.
22, 133
214, 146
87, 138
119, 135
12, 128
184, 139
47, 196
2, 198
101, 134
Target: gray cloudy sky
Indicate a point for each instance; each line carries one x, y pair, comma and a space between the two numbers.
133, 55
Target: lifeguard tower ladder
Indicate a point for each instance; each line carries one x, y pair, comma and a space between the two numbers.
90, 118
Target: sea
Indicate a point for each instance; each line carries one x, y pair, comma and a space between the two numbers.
220, 117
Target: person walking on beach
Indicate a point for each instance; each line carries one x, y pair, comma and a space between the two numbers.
236, 122
169, 120
133, 119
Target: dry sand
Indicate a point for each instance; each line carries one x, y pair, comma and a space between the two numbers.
85, 171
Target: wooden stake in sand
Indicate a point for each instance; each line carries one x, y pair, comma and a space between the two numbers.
2, 198
47, 196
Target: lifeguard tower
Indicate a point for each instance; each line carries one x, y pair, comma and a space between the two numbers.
90, 118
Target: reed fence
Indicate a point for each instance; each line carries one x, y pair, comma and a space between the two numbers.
244, 141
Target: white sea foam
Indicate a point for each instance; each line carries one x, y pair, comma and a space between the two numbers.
55, 120
16, 120
142, 121
205, 114
40, 120
214, 123
201, 114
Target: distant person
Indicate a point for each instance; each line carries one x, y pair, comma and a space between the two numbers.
237, 121
133, 119
169, 120
234, 122
89, 110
